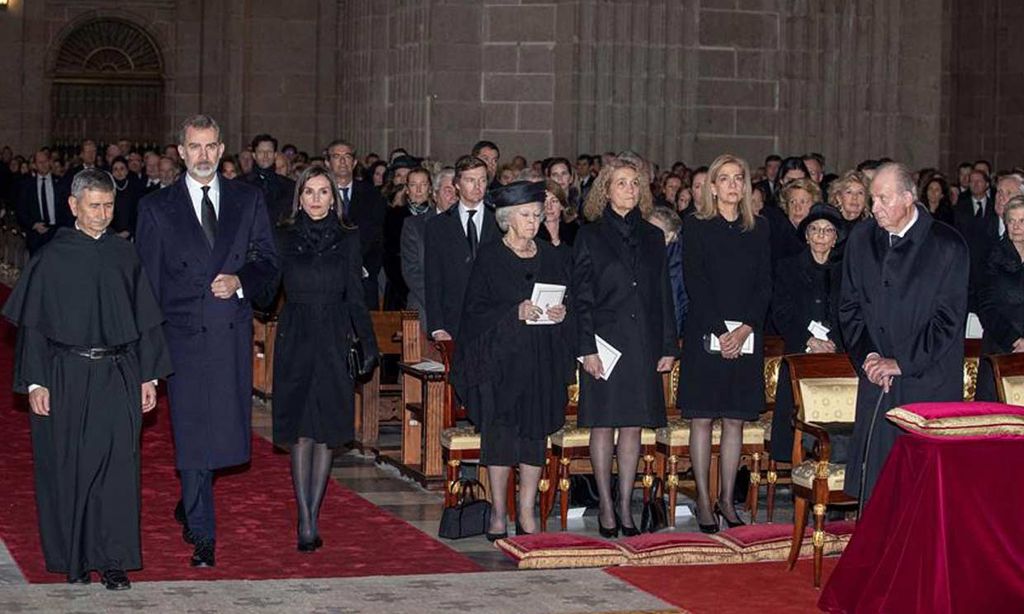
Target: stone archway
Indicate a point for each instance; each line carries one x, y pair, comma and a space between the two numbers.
108, 82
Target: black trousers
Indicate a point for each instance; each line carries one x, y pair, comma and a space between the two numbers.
197, 497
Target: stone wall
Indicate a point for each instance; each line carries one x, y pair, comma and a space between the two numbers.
927, 81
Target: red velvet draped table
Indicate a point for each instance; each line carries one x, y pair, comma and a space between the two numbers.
942, 532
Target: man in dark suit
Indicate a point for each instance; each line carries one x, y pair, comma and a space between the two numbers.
365, 207
975, 217
207, 247
490, 154
452, 241
278, 191
151, 173
39, 211
902, 309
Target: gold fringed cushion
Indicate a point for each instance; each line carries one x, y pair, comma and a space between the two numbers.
829, 399
975, 420
461, 438
579, 437
560, 550
803, 475
677, 549
677, 433
764, 542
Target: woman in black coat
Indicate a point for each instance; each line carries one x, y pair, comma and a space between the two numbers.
621, 293
806, 291
559, 225
126, 199
726, 261
313, 410
512, 375
1001, 297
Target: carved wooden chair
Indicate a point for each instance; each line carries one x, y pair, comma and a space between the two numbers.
825, 403
972, 358
1009, 374
570, 453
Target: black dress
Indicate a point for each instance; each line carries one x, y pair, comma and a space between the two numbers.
321, 270
621, 292
804, 291
512, 377
1000, 309
566, 233
728, 277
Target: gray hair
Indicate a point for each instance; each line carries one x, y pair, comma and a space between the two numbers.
666, 219
502, 214
1015, 177
904, 178
197, 122
447, 173
91, 179
1017, 202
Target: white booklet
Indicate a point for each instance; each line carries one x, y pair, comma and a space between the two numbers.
731, 325
974, 329
429, 366
608, 354
818, 330
545, 296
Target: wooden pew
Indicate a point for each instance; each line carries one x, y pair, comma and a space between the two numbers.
387, 328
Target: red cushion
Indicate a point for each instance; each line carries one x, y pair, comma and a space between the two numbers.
759, 534
960, 420
554, 550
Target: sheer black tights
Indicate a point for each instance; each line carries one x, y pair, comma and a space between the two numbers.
311, 467
627, 450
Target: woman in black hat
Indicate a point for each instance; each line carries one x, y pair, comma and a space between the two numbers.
511, 370
805, 308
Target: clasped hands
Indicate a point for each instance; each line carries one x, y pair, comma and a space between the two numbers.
530, 312
225, 285
880, 371
820, 346
592, 364
732, 342
39, 399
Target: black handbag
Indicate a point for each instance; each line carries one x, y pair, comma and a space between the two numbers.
655, 515
471, 514
359, 366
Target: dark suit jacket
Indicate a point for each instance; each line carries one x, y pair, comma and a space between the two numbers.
980, 234
278, 192
210, 339
366, 211
448, 264
907, 302
412, 253
28, 212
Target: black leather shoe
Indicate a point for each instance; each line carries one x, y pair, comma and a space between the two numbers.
115, 580
611, 533
202, 556
85, 578
732, 524
626, 531
318, 543
493, 537
306, 547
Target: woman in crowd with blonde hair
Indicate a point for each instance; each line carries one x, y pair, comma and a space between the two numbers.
727, 266
850, 194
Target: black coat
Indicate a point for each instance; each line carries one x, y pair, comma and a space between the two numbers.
397, 291
1001, 311
28, 213
366, 211
278, 192
210, 338
728, 277
321, 269
507, 372
907, 302
413, 261
126, 208
566, 233
803, 291
448, 264
785, 241
621, 292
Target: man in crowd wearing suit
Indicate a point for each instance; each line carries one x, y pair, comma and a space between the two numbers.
207, 247
38, 210
364, 207
278, 191
151, 178
902, 310
974, 216
490, 154
452, 241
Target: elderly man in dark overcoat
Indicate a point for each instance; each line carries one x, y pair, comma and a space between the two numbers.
207, 246
902, 310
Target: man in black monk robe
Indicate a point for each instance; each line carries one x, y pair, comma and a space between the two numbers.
90, 347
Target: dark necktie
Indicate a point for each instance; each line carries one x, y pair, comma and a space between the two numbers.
471, 233
345, 199
209, 216
44, 201
894, 239
980, 210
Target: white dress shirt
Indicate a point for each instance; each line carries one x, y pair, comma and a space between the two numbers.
195, 192
477, 219
45, 182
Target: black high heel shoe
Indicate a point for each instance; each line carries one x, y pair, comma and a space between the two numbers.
626, 531
709, 529
520, 531
732, 525
611, 533
493, 537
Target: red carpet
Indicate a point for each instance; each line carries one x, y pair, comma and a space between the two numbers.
255, 513
732, 589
